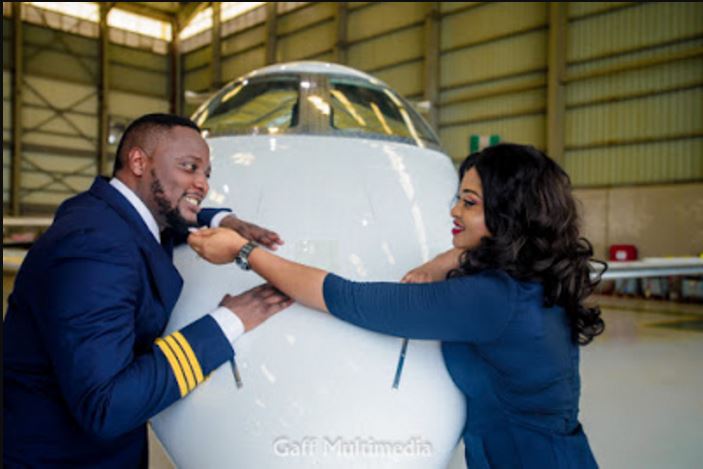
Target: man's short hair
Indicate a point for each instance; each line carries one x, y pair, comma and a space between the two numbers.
141, 128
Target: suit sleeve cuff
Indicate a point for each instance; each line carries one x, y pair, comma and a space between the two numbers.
232, 327
217, 219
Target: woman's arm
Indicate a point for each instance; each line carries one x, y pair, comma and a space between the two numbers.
475, 308
298, 281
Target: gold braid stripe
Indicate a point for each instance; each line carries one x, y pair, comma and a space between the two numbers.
185, 366
177, 372
194, 363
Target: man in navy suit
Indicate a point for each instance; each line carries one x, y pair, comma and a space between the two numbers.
85, 364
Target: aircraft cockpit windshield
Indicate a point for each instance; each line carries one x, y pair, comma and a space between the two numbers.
251, 107
314, 104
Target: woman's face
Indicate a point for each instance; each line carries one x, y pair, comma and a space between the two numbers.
469, 225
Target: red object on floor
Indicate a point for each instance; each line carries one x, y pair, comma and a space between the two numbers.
623, 252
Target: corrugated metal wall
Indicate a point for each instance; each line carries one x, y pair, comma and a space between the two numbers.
60, 107
493, 73
59, 115
634, 98
634, 95
306, 33
387, 40
6, 112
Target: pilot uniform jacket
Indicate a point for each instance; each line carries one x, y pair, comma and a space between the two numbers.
84, 363
513, 358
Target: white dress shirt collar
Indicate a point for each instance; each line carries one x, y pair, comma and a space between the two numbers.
231, 325
139, 206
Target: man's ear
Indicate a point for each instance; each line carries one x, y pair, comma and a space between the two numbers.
136, 161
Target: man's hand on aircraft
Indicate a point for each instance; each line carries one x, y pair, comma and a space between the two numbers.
253, 232
256, 305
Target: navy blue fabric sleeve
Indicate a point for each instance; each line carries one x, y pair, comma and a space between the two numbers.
475, 308
88, 324
205, 215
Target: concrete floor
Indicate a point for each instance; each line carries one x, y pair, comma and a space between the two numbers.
642, 387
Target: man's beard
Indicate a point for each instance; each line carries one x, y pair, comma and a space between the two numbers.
173, 218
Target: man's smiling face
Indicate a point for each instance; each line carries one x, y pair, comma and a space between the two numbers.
178, 172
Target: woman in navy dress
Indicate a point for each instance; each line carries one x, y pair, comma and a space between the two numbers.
507, 303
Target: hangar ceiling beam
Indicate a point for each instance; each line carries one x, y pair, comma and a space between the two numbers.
342, 25
188, 12
431, 59
17, 82
103, 89
271, 20
216, 44
556, 80
176, 105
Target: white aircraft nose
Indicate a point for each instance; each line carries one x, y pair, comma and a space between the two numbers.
317, 391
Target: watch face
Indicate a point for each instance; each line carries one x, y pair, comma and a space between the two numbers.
241, 262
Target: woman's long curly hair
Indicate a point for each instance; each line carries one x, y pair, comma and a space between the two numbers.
532, 217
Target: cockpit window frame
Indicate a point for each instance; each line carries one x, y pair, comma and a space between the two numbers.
314, 107
216, 100
404, 104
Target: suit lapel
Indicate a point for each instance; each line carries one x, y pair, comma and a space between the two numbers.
163, 273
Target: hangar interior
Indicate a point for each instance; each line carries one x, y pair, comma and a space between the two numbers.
613, 91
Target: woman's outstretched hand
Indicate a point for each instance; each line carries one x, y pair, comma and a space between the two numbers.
216, 245
417, 275
435, 270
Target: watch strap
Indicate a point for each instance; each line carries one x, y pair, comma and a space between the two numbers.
242, 258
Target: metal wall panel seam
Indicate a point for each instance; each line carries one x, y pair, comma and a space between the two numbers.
122, 89
232, 34
62, 151
293, 32
34, 48
464, 9
415, 24
632, 50
282, 14
541, 110
530, 86
68, 111
329, 50
638, 64
613, 9
636, 141
493, 78
391, 65
644, 94
496, 38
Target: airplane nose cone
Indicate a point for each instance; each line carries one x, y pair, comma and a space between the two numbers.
314, 386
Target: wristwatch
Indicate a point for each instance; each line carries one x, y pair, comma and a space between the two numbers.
242, 258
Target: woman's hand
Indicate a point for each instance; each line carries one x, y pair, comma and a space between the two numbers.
417, 275
216, 245
435, 270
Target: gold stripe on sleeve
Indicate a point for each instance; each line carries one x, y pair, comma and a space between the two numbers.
177, 372
185, 366
194, 363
